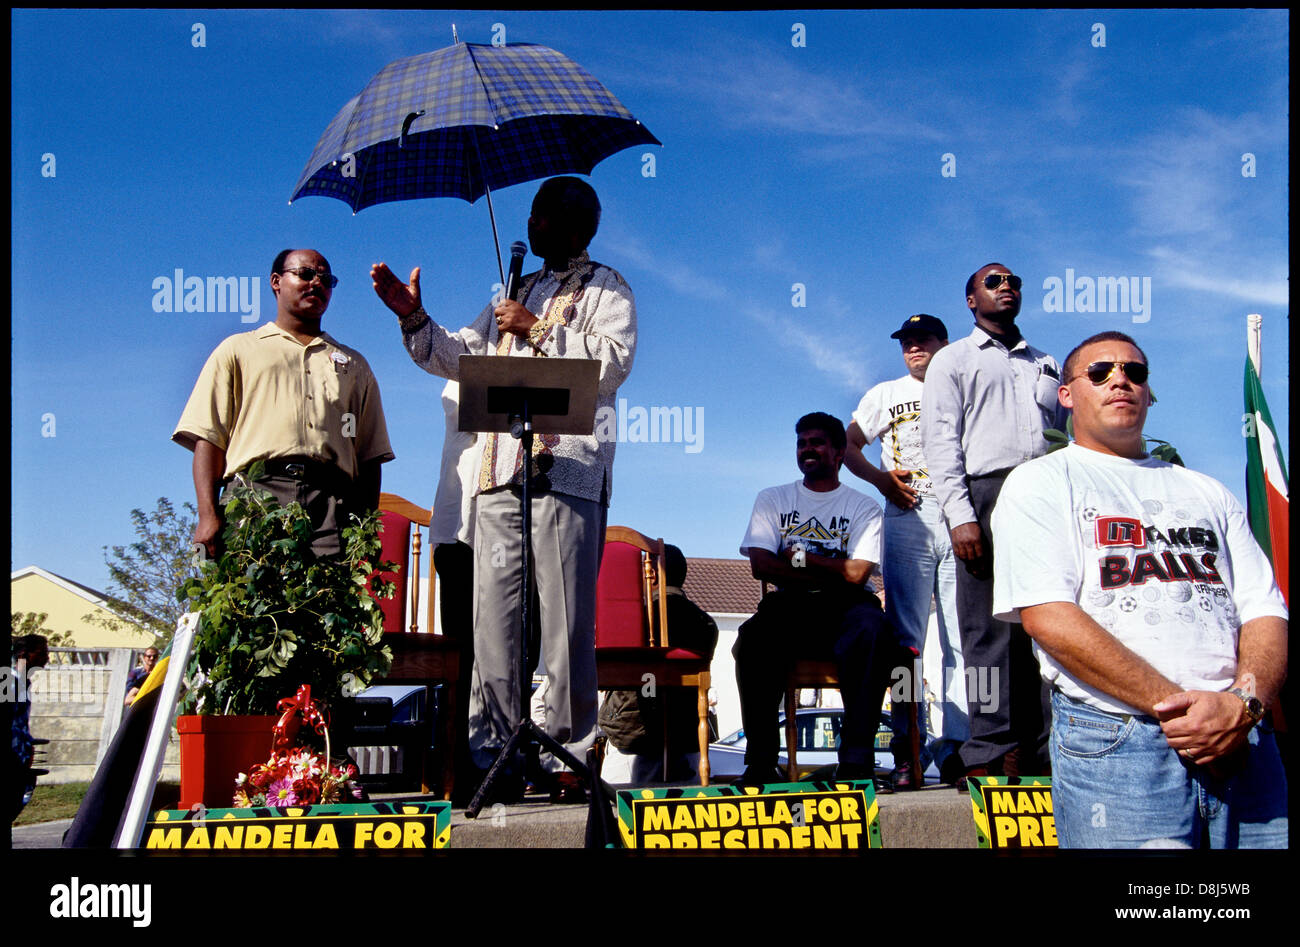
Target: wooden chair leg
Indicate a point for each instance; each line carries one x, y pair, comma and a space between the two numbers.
914, 749
449, 739
663, 731
702, 708
791, 733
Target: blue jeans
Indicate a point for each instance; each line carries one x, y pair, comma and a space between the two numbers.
919, 566
1116, 783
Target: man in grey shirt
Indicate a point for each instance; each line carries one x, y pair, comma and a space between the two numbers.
987, 400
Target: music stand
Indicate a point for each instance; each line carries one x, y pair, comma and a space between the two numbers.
524, 396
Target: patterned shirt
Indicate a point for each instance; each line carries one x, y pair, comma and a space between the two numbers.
586, 311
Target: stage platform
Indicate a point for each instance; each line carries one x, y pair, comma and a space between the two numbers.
934, 817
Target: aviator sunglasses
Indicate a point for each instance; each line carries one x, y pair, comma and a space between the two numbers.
1100, 372
309, 273
994, 280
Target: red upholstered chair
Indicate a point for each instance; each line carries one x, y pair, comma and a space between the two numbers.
632, 634
419, 657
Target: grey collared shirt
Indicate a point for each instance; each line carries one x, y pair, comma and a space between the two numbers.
984, 409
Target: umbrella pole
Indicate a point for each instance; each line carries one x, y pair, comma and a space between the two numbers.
496, 241
492, 215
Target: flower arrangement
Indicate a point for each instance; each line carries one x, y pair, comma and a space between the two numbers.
297, 776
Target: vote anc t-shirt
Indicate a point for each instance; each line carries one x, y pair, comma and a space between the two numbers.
839, 524
891, 411
1160, 556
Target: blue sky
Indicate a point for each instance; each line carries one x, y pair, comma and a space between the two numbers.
827, 166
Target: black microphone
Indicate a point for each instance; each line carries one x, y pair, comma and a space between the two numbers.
517, 251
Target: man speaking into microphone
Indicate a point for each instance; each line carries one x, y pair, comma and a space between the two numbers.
571, 308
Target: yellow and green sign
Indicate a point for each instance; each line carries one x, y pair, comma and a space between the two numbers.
1013, 812
809, 816
405, 827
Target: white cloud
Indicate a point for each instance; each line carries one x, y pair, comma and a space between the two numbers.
1243, 280
746, 86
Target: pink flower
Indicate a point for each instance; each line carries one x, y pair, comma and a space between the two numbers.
281, 793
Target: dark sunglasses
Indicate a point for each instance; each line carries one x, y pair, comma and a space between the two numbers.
994, 280
1100, 372
308, 273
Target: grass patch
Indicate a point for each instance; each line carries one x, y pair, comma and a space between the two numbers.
54, 801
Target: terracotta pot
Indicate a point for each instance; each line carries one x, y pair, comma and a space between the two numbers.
214, 750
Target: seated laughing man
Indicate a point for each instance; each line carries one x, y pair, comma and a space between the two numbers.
817, 541
1156, 622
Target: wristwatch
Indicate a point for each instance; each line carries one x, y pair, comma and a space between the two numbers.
1254, 706
799, 556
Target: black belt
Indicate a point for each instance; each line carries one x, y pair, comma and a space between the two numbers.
306, 471
987, 476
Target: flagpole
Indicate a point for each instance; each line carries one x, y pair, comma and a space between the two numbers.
1254, 333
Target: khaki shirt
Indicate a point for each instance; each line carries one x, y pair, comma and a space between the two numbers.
263, 395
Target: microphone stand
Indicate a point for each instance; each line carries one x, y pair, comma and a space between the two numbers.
521, 427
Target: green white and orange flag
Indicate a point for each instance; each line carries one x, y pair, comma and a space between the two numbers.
1267, 499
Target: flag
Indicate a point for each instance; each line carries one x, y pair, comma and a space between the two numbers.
135, 755
1267, 501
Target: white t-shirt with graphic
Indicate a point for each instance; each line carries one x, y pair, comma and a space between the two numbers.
1159, 556
839, 524
891, 411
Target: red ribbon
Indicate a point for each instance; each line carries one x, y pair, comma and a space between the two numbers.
292, 707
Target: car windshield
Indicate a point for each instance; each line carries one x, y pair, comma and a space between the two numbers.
732, 739
817, 731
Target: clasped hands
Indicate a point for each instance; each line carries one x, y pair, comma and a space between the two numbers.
1204, 727
404, 299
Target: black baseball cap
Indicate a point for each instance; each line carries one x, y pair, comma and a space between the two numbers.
922, 324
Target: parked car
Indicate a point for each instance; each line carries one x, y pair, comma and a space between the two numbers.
818, 732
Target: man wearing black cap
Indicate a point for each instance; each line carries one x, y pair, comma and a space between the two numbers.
919, 563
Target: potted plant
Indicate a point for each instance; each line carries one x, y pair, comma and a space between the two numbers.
273, 617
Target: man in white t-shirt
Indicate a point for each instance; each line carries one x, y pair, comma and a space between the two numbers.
1156, 622
817, 541
919, 565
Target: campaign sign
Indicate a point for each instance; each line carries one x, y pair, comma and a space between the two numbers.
394, 827
807, 816
1013, 812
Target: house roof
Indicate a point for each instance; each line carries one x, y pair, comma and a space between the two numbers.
94, 596
723, 586
727, 586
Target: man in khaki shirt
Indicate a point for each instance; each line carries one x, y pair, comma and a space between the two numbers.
288, 394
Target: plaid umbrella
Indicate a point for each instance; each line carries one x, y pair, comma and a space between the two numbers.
463, 120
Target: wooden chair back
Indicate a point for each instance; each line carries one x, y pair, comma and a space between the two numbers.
403, 522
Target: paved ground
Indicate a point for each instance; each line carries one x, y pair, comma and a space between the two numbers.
934, 817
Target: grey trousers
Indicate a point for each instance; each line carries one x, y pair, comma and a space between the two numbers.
1009, 704
568, 538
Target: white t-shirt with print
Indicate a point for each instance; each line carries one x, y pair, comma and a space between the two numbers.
891, 411
1159, 556
839, 524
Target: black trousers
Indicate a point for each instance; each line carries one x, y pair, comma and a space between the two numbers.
1005, 693
324, 491
846, 625
454, 563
